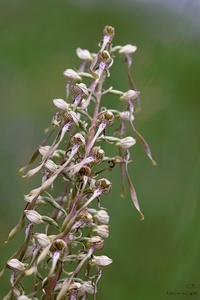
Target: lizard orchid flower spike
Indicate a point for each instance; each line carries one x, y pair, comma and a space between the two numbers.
73, 225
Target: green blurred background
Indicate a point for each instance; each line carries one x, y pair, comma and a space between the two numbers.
37, 43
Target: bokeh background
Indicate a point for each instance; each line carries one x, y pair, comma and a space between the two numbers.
37, 43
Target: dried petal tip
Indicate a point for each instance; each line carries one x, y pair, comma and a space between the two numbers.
141, 216
127, 49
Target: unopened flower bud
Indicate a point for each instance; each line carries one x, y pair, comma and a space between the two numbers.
101, 260
23, 297
128, 49
102, 216
130, 95
16, 264
71, 74
96, 241
125, 116
33, 216
42, 239
84, 54
89, 287
126, 142
50, 165
102, 231
44, 150
61, 104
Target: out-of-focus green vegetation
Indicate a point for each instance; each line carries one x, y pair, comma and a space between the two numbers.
37, 43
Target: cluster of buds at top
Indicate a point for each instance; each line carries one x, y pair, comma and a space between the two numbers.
72, 231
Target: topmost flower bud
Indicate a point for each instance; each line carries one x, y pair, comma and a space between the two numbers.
110, 31
128, 49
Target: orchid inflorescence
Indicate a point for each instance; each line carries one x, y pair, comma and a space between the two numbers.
60, 257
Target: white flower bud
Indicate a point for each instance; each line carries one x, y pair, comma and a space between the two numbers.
88, 287
102, 216
96, 241
126, 142
44, 150
16, 264
71, 74
83, 54
101, 260
23, 297
33, 216
42, 239
129, 95
61, 104
102, 231
50, 165
125, 116
128, 49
